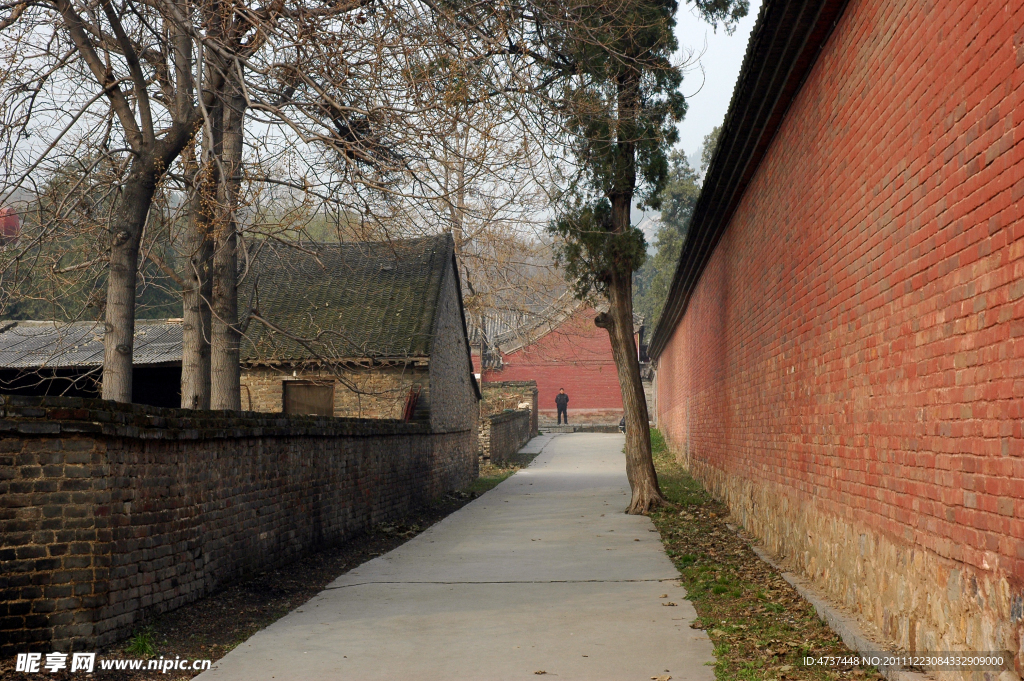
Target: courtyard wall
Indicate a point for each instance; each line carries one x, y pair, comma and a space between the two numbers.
110, 513
849, 372
504, 434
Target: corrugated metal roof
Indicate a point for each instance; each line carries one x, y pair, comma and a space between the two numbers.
31, 344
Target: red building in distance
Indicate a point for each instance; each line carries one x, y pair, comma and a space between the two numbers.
10, 225
559, 350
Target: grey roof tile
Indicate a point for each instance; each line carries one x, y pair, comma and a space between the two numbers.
331, 301
341, 301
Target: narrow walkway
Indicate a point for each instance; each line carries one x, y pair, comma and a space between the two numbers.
544, 573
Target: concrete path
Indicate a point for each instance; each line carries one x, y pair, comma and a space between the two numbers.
544, 573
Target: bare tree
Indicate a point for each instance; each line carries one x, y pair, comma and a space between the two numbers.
140, 113
369, 116
381, 133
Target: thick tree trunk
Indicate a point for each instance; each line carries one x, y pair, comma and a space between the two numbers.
225, 372
643, 479
196, 295
126, 225
618, 321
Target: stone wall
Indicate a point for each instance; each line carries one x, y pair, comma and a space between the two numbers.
504, 434
849, 372
377, 392
501, 395
110, 513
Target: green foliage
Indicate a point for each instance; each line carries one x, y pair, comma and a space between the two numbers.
590, 251
142, 644
620, 106
725, 12
678, 199
708, 151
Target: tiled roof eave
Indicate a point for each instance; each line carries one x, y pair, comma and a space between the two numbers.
376, 359
783, 48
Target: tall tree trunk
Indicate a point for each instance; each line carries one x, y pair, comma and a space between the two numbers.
196, 295
618, 321
126, 225
225, 372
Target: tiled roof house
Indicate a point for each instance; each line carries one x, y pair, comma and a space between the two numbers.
371, 330
370, 323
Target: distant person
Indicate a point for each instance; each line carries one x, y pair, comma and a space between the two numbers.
562, 403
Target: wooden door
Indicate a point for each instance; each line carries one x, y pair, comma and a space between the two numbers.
309, 397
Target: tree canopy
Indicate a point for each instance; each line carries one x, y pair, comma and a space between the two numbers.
678, 200
653, 279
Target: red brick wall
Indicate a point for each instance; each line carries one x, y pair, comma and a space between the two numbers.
576, 356
851, 365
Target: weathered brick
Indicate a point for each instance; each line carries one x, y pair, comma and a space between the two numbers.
125, 534
44, 605
31, 551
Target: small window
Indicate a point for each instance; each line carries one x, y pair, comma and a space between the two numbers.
309, 397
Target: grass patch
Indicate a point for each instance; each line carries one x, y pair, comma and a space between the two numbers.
488, 482
491, 475
142, 644
760, 626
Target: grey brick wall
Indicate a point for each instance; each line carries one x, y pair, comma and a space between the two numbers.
502, 435
453, 401
501, 395
112, 512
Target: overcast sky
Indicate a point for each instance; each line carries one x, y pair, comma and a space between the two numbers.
708, 85
708, 93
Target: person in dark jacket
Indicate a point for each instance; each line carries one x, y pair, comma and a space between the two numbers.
562, 403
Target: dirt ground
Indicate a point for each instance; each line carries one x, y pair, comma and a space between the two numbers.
759, 624
209, 628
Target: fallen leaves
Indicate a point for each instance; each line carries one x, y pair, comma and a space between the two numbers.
669, 604
760, 626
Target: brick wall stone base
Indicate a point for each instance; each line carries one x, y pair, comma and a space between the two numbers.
908, 595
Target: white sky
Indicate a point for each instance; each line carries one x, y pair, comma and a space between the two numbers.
708, 93
707, 86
